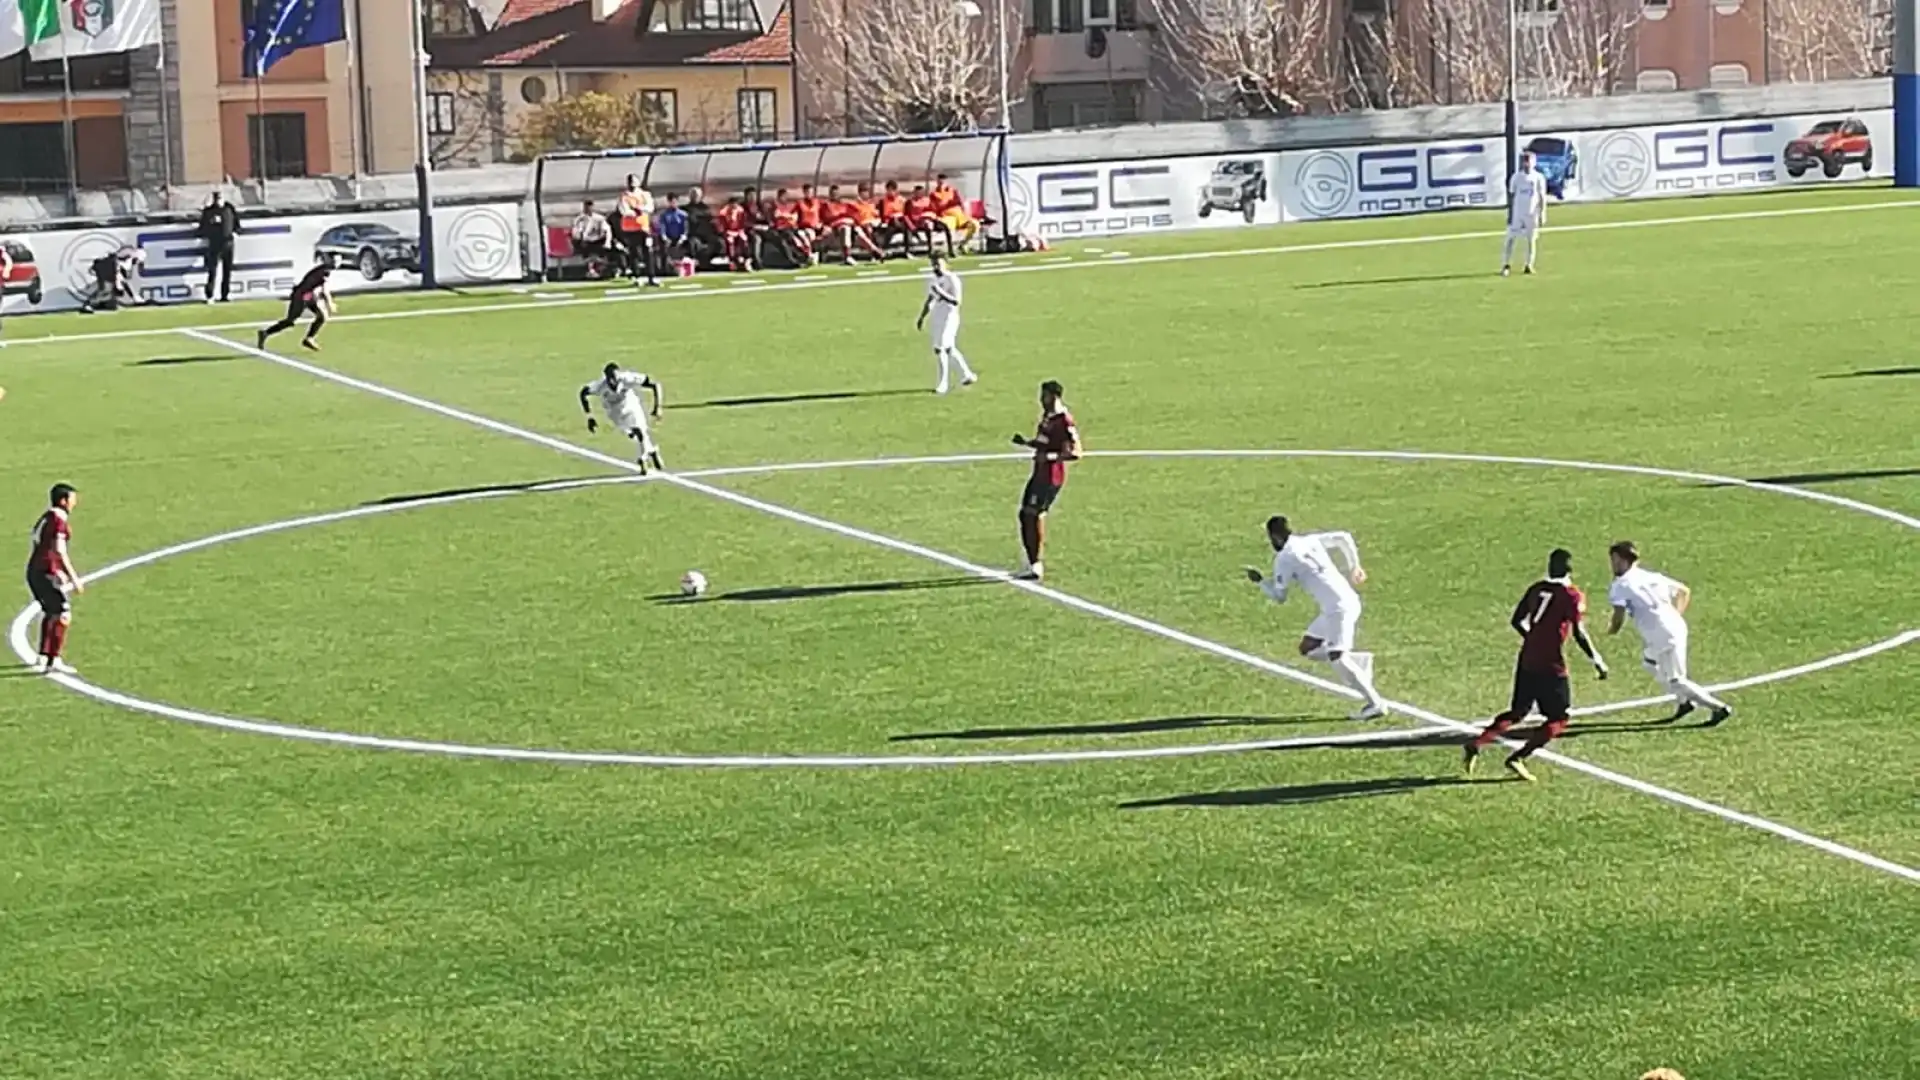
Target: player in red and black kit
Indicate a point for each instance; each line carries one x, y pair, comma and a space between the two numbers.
51, 578
1547, 614
310, 295
1054, 443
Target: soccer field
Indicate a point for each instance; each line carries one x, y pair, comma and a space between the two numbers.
435, 777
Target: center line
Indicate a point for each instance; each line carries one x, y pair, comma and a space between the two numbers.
1090, 607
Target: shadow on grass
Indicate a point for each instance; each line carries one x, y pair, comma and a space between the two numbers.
489, 489
818, 592
1411, 279
1301, 794
1874, 373
791, 399
1119, 727
176, 361
1825, 477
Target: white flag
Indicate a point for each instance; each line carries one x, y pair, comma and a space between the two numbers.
99, 27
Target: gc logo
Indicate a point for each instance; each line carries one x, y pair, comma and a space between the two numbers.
1325, 183
1626, 163
482, 243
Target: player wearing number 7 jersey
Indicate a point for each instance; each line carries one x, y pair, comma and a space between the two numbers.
1305, 561
1548, 612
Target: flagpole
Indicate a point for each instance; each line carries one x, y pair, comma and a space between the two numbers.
166, 122
423, 150
259, 133
66, 126
353, 110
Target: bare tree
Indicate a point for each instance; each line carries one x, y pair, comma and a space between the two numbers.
907, 65
477, 126
1575, 48
1253, 57
1819, 40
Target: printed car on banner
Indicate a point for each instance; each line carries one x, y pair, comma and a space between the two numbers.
369, 251
1376, 181
1061, 202
1733, 155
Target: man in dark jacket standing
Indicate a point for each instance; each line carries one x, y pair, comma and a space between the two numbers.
219, 224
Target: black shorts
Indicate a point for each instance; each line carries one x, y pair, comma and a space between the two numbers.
1551, 694
301, 305
47, 593
1039, 496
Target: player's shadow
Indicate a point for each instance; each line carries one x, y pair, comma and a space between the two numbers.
790, 399
1578, 729
498, 489
176, 361
818, 592
1873, 373
1825, 477
1410, 279
1303, 794
1119, 727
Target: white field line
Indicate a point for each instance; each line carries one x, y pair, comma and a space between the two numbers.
1146, 625
869, 277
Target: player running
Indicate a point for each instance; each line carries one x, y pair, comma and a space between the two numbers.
52, 579
1549, 611
1658, 605
619, 393
1055, 442
1526, 212
943, 303
310, 294
1304, 560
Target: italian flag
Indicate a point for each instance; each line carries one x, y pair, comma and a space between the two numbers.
25, 22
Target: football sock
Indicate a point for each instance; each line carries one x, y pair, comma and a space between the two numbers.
1548, 732
1533, 247
940, 361
46, 635
1506, 252
1350, 672
275, 328
960, 362
56, 640
1494, 730
1688, 690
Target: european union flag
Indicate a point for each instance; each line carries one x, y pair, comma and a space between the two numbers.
281, 27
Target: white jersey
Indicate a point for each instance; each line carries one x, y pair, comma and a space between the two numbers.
1304, 561
1648, 596
620, 397
1526, 199
943, 292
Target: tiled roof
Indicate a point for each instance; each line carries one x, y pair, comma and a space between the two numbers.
563, 34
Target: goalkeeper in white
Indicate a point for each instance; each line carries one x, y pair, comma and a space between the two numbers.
1305, 560
1526, 212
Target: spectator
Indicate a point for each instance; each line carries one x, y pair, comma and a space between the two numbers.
592, 239
672, 227
759, 227
811, 222
636, 229
893, 218
703, 236
219, 224
732, 222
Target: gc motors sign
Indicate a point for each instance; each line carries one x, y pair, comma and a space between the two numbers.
1687, 160
1098, 200
1391, 180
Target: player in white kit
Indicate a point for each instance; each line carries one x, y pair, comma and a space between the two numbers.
943, 305
1658, 606
1526, 212
619, 394
1305, 561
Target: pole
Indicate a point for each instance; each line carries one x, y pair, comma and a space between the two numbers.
353, 110
66, 128
1513, 79
1003, 63
259, 135
166, 123
1906, 93
422, 151
367, 153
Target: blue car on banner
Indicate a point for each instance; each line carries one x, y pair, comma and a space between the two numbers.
1555, 159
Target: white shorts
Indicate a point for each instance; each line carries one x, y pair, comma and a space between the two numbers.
1335, 627
945, 325
1667, 662
1521, 228
627, 423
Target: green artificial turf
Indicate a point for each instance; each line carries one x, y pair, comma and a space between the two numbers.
178, 901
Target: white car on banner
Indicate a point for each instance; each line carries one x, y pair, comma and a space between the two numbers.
474, 244
1375, 181
1731, 155
1061, 202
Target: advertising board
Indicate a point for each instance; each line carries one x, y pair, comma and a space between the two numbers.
1732, 155
1063, 202
1377, 181
380, 250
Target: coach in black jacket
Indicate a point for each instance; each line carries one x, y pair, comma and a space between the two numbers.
219, 224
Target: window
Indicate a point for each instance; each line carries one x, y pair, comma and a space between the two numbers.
1099, 12
277, 144
533, 90
1726, 7
440, 115
449, 18
1093, 104
759, 114
33, 157
670, 16
1720, 75
87, 73
660, 109
1074, 16
1655, 10
1656, 80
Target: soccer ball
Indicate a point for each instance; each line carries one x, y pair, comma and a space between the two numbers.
693, 583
